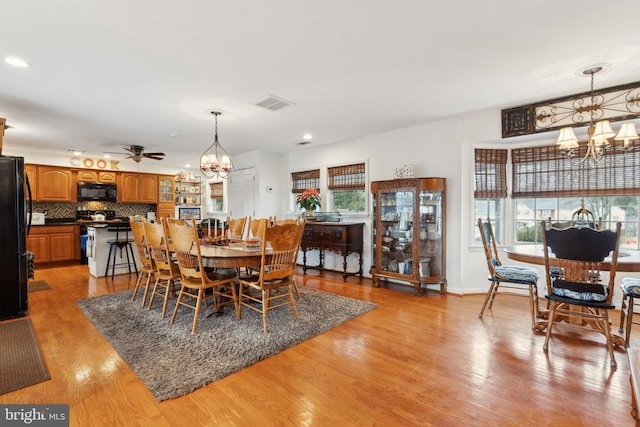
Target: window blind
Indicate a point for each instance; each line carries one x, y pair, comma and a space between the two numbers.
490, 173
305, 179
347, 177
544, 172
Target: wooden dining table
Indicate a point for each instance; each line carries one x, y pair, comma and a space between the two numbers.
230, 256
628, 261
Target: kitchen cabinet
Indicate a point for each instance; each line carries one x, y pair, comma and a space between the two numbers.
189, 192
54, 243
137, 188
166, 196
339, 237
55, 184
90, 175
408, 241
32, 174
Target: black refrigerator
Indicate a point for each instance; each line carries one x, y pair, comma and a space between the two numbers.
14, 260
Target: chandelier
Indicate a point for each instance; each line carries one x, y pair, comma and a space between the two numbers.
215, 162
599, 133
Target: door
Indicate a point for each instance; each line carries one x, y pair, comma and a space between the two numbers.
242, 193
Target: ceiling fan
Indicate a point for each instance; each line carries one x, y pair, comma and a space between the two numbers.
136, 153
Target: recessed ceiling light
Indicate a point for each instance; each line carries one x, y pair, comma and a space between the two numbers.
307, 136
16, 62
107, 156
187, 165
75, 151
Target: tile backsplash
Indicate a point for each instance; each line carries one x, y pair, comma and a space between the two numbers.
68, 210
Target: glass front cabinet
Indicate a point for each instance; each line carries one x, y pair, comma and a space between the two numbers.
409, 232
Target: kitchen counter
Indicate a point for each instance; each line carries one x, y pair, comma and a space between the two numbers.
73, 221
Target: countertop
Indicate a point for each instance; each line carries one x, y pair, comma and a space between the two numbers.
73, 221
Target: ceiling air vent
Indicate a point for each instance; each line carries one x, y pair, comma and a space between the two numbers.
273, 103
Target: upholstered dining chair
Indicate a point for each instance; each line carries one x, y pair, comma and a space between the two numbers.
630, 291
167, 272
507, 276
197, 285
147, 267
271, 287
578, 296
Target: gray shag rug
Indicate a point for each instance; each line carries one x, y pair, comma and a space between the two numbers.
153, 347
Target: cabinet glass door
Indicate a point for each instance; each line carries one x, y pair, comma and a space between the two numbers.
396, 228
430, 234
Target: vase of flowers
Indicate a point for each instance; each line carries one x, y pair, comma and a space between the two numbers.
308, 200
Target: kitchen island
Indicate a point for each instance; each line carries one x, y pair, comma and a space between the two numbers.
98, 245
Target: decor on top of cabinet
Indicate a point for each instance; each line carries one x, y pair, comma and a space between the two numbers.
309, 200
405, 171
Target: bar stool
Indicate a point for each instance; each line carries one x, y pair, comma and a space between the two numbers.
630, 290
120, 242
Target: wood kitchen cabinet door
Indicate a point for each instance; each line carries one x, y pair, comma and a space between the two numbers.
106, 176
87, 175
148, 188
55, 184
39, 245
138, 188
63, 246
32, 173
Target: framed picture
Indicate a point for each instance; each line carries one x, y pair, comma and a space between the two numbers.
188, 213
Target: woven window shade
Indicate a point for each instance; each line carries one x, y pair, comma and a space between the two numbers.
490, 173
544, 172
348, 177
305, 179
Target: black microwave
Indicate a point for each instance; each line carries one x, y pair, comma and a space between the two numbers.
97, 191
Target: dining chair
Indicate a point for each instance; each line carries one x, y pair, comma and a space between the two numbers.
510, 277
167, 271
147, 267
196, 283
630, 291
235, 228
296, 220
256, 226
578, 296
271, 287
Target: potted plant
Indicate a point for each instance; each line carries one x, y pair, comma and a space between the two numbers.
309, 200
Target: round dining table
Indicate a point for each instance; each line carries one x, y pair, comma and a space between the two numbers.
230, 257
628, 259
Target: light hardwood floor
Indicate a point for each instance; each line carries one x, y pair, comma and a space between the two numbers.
424, 361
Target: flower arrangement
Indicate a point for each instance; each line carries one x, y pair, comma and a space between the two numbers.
309, 199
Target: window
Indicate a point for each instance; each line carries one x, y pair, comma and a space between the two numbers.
546, 185
490, 189
347, 185
305, 179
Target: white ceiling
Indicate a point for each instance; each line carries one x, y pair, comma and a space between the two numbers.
113, 73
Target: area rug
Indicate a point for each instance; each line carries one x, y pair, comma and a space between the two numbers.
21, 360
37, 285
171, 361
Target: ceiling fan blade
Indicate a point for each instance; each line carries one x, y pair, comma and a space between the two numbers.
153, 154
154, 158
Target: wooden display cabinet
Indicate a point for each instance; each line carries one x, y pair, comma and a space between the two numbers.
409, 232
166, 201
